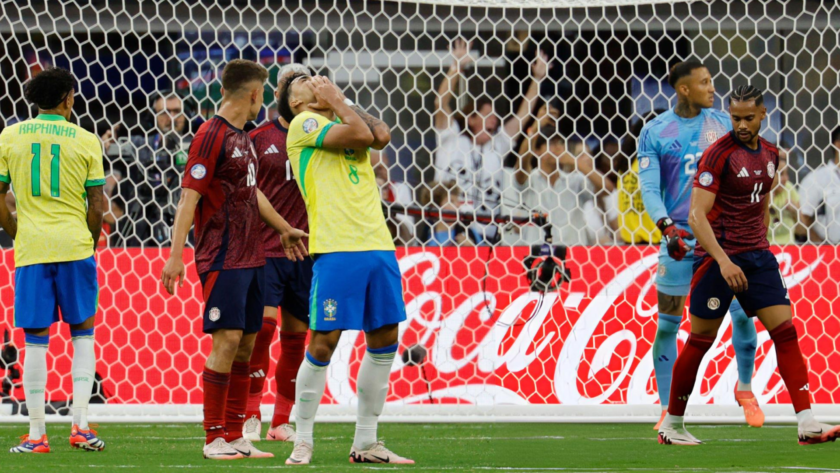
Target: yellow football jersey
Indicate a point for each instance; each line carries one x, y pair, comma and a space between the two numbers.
339, 188
50, 162
634, 223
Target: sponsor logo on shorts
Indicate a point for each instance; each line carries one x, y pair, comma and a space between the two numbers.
713, 303
644, 162
706, 179
330, 308
215, 314
663, 270
198, 171
771, 170
310, 125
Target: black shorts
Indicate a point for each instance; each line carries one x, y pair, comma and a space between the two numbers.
711, 296
287, 285
233, 299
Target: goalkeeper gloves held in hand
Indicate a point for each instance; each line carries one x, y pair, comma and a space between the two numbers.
674, 238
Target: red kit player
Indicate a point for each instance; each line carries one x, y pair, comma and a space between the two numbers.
729, 216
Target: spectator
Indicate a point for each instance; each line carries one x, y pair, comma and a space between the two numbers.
560, 185
446, 196
820, 198
785, 227
153, 162
400, 225
634, 223
472, 145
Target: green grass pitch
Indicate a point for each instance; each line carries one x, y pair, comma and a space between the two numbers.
444, 447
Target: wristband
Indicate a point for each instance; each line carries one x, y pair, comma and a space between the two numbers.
349, 102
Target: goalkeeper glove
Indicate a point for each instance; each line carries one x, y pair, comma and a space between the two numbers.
674, 238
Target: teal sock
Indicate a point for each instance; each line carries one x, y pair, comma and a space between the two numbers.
744, 340
665, 353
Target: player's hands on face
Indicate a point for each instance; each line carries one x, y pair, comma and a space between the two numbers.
173, 270
293, 244
325, 91
734, 276
674, 238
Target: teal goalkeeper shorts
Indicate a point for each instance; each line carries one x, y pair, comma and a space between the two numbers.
674, 277
356, 291
42, 289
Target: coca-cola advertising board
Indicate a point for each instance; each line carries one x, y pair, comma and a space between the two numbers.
489, 339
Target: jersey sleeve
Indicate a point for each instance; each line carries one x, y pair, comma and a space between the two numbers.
710, 169
308, 130
96, 171
203, 156
650, 176
4, 159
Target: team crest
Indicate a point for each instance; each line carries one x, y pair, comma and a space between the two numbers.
705, 179
215, 314
711, 136
663, 270
713, 303
310, 125
198, 171
644, 162
330, 308
771, 170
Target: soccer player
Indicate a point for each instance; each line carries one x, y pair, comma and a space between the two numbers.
56, 169
287, 282
669, 148
729, 215
356, 282
220, 191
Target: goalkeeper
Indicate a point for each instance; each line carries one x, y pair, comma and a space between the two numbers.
356, 283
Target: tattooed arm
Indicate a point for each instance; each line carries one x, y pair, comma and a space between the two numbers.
7, 219
381, 131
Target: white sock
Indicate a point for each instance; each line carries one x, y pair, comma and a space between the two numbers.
744, 386
805, 417
309, 389
675, 422
84, 373
372, 388
34, 387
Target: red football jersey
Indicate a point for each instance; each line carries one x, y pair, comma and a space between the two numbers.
741, 178
222, 167
276, 181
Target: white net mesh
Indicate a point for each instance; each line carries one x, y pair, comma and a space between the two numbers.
592, 71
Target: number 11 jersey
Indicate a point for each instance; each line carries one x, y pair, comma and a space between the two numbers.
49, 163
222, 167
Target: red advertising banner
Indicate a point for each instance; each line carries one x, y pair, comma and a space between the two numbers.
490, 341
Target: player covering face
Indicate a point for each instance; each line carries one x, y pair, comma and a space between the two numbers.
729, 216
669, 147
356, 283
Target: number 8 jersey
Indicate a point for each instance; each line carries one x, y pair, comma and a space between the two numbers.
669, 148
339, 187
49, 163
222, 167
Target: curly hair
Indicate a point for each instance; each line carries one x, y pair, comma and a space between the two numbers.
49, 88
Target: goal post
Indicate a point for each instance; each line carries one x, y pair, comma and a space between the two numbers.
496, 349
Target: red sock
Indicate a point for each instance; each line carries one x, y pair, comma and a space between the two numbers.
259, 366
237, 400
292, 349
215, 394
685, 372
791, 365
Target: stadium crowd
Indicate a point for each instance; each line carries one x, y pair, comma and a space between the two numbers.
485, 165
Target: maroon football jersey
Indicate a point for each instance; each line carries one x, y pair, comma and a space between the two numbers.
222, 167
276, 181
741, 178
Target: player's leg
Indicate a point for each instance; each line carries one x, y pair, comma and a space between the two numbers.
672, 283
77, 291
294, 325
385, 309
293, 332
36, 309
744, 340
240, 374
710, 299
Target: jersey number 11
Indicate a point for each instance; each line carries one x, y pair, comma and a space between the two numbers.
55, 162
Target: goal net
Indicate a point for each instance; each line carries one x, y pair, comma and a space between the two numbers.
472, 90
